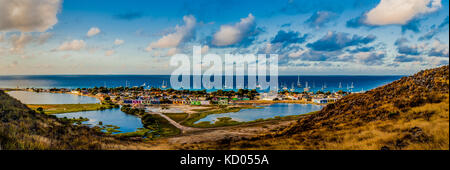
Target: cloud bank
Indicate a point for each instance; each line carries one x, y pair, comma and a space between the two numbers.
389, 12
28, 15
338, 40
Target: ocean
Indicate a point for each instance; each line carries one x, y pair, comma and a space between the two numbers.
315, 83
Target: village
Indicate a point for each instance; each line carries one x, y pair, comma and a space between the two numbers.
139, 97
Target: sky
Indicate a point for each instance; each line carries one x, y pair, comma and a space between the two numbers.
321, 37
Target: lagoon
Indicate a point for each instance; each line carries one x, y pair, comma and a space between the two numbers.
265, 112
27, 97
126, 122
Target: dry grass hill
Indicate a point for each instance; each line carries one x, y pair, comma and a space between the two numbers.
410, 113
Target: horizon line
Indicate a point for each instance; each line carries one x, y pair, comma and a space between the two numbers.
201, 75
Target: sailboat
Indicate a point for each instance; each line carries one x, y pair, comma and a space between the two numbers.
299, 84
163, 85
285, 87
340, 85
292, 88
306, 89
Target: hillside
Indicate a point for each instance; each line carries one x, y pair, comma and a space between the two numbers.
23, 128
410, 113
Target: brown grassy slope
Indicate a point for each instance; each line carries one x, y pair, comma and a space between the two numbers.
22, 128
410, 113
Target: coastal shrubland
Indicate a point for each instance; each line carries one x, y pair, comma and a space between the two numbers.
132, 111
67, 108
24, 128
158, 126
76, 121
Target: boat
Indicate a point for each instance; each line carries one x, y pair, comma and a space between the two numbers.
340, 85
351, 87
285, 87
163, 85
292, 88
306, 89
299, 84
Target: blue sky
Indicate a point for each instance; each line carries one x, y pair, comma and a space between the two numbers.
322, 37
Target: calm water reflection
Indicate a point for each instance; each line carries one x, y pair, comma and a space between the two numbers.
278, 109
51, 98
126, 122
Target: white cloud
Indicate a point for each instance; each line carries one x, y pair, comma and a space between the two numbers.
28, 15
110, 52
232, 34
93, 31
118, 42
439, 49
400, 11
370, 58
19, 42
182, 33
298, 53
43, 37
74, 45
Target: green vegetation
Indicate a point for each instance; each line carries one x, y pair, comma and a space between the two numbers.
108, 129
158, 126
76, 121
132, 111
67, 108
141, 132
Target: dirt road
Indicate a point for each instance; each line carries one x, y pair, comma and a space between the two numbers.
184, 129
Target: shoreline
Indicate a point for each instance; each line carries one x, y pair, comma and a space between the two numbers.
194, 113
